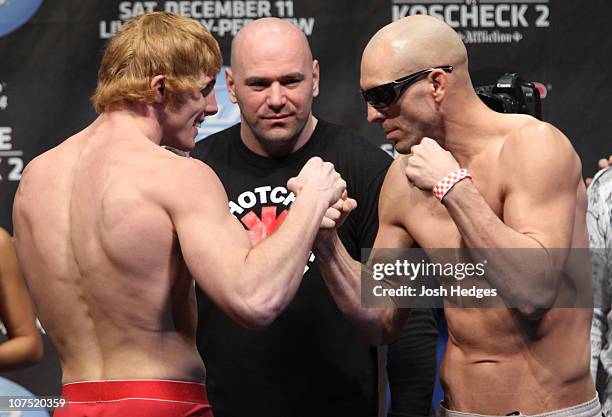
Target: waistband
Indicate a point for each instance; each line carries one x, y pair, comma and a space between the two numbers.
590, 408
145, 389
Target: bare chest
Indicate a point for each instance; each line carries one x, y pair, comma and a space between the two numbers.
428, 221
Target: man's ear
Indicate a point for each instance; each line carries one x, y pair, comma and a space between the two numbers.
157, 86
439, 83
231, 87
315, 78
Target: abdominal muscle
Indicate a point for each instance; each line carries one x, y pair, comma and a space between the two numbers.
497, 362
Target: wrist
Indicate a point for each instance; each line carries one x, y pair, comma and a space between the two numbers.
325, 244
456, 191
450, 181
311, 196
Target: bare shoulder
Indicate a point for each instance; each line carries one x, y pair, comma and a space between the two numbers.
188, 172
397, 185
532, 138
533, 147
39, 164
395, 174
397, 193
34, 179
183, 182
45, 166
394, 186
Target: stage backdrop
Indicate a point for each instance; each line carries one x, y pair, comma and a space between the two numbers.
50, 52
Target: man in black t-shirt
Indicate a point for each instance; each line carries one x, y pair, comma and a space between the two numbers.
311, 360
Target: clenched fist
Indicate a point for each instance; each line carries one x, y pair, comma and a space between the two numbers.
320, 177
428, 164
337, 214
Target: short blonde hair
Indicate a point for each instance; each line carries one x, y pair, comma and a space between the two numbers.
157, 43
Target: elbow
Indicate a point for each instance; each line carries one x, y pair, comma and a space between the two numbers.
533, 301
257, 315
38, 352
383, 336
24, 351
35, 351
532, 313
388, 335
393, 324
257, 321
535, 305
387, 329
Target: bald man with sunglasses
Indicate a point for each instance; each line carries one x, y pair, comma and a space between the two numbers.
475, 179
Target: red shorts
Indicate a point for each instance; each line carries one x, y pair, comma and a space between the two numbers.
135, 398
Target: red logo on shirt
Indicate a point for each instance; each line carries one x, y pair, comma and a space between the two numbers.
259, 229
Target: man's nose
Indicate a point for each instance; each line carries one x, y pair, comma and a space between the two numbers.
211, 107
374, 115
276, 96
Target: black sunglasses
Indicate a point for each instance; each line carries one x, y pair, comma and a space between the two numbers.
386, 94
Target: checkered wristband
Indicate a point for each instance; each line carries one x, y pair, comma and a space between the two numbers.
445, 184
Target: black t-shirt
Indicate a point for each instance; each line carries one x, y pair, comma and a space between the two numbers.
311, 360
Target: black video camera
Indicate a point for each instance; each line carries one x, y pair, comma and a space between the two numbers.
511, 94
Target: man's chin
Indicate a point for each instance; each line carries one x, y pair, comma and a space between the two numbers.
181, 145
403, 147
186, 148
277, 136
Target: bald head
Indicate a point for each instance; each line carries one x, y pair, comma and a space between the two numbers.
273, 79
268, 34
412, 44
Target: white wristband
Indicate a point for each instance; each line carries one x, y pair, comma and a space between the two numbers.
445, 184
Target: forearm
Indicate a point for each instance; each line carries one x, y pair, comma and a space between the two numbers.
273, 269
529, 283
342, 275
20, 351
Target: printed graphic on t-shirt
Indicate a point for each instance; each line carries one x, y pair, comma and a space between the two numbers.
255, 210
261, 228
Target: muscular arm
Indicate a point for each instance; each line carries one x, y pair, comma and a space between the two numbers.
542, 173
24, 346
250, 284
342, 274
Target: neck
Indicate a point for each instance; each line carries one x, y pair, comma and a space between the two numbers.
270, 149
467, 131
140, 120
